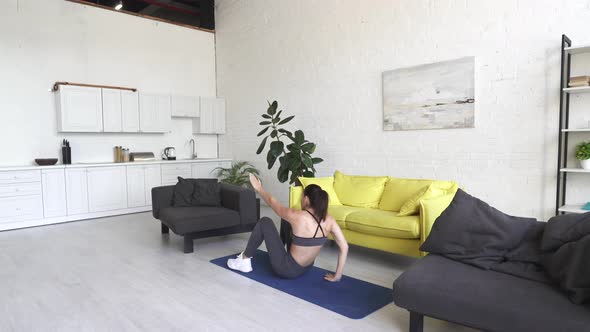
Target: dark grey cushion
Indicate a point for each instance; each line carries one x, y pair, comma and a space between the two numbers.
183, 220
473, 232
206, 193
442, 288
183, 193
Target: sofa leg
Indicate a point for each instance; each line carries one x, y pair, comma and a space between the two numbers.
188, 244
165, 229
416, 322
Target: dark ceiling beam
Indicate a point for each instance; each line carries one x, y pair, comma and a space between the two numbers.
171, 7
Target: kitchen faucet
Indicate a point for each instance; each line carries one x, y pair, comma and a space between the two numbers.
194, 152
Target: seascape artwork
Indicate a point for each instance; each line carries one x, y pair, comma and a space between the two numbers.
431, 96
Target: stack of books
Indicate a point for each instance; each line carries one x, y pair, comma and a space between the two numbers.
578, 81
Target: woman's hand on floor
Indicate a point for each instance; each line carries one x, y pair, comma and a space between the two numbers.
331, 277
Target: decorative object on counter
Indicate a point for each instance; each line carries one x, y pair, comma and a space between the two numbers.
295, 159
121, 154
46, 161
578, 81
142, 156
66, 152
583, 154
237, 174
169, 153
586, 206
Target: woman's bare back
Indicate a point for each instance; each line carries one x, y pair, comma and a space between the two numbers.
304, 225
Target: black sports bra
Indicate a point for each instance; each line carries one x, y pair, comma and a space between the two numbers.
310, 241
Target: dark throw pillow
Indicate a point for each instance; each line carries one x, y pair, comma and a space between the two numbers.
473, 232
206, 193
183, 193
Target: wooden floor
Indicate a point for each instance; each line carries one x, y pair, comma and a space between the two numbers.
121, 274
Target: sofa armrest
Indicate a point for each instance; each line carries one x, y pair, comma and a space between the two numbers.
242, 200
430, 210
161, 198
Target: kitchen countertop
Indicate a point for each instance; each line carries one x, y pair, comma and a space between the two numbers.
106, 163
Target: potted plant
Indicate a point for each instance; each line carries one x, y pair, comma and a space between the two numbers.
583, 154
294, 156
238, 174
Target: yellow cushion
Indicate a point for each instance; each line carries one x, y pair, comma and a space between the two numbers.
327, 184
339, 212
384, 223
360, 191
435, 189
295, 194
430, 210
398, 191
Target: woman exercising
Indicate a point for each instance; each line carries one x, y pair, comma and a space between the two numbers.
312, 224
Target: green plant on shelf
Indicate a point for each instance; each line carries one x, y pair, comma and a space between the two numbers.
583, 151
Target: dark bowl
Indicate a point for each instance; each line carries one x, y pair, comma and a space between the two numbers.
46, 161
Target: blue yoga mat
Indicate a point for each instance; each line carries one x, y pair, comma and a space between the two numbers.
350, 297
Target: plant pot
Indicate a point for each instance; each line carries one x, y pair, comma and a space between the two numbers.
585, 163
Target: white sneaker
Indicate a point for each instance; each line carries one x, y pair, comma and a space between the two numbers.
239, 263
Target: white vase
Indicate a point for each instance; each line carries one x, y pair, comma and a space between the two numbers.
585, 163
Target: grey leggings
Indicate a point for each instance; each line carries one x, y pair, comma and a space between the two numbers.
280, 259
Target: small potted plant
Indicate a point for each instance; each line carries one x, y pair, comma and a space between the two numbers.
583, 154
238, 174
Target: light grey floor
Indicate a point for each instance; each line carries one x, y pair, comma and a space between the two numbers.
121, 274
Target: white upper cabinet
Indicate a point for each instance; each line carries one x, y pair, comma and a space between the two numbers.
212, 117
130, 111
111, 110
107, 188
185, 106
154, 113
79, 109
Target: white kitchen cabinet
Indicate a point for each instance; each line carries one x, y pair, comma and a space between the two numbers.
204, 170
140, 181
185, 106
136, 186
171, 172
154, 113
211, 118
54, 192
130, 111
107, 188
153, 178
21, 208
76, 191
79, 109
112, 116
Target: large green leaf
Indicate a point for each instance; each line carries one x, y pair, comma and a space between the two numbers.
308, 147
262, 145
306, 160
265, 123
279, 114
316, 160
308, 174
272, 108
263, 131
299, 137
283, 174
270, 159
273, 134
266, 116
276, 119
287, 119
276, 148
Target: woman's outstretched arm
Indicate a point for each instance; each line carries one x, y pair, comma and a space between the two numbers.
343, 246
282, 211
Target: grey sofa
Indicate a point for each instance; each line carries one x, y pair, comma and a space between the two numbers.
238, 213
483, 299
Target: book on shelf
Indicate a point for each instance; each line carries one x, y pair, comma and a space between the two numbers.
579, 81
577, 85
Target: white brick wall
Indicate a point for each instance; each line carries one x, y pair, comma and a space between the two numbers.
322, 60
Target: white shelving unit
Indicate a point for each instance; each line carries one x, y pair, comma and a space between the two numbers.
575, 130
577, 49
572, 208
575, 170
581, 89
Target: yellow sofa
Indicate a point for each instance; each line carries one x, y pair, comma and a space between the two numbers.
367, 208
